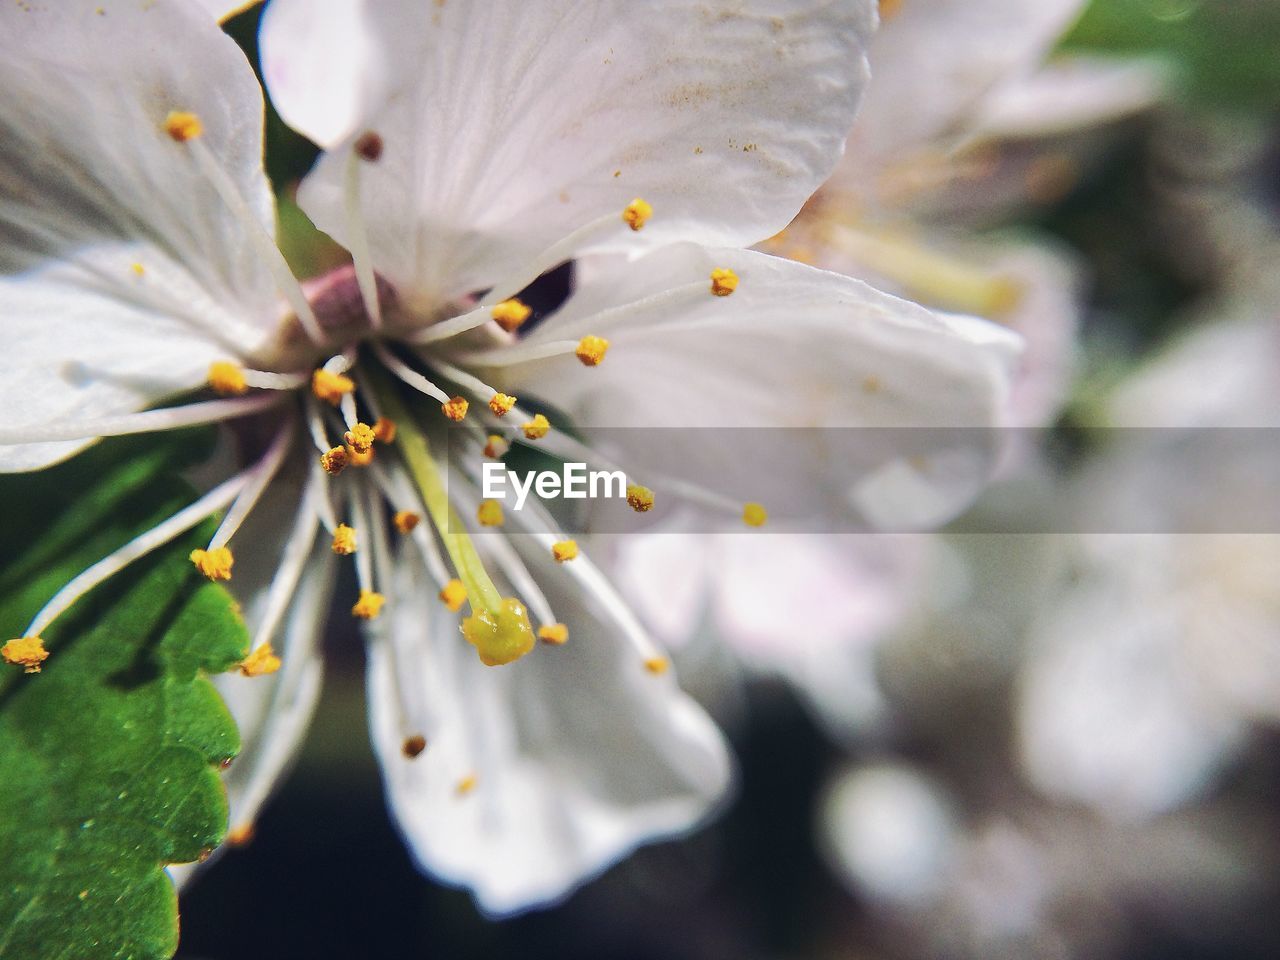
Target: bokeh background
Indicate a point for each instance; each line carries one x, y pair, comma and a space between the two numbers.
930, 830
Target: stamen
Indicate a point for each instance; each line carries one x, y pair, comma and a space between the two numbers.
489, 513
406, 520
637, 213
657, 665
754, 515
183, 126
511, 314
564, 550
409, 376
293, 559
591, 350
214, 564
335, 460
357, 459
227, 378
723, 281
256, 232
360, 438
331, 387
357, 232
369, 606
496, 447
26, 652
139, 546
536, 428
261, 662
385, 430
148, 421
639, 499
553, 633
413, 745
260, 476
344, 540
398, 490
453, 595
455, 408
501, 404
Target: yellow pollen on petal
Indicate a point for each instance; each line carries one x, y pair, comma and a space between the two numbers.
369, 605
639, 499
331, 387
25, 652
637, 213
183, 126
890, 9
413, 745
466, 784
500, 636
591, 350
227, 378
260, 662
384, 429
406, 520
453, 595
360, 438
657, 665
489, 513
335, 460
358, 459
214, 564
496, 447
455, 409
754, 515
137, 268
553, 633
723, 281
510, 314
536, 428
501, 404
344, 540
564, 550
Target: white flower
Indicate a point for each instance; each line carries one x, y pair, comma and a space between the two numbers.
470, 148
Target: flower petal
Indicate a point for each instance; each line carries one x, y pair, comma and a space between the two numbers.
537, 775
122, 273
796, 349
510, 126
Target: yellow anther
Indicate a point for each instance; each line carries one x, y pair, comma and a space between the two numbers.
723, 281
501, 404
183, 126
489, 513
591, 350
331, 387
260, 662
25, 652
227, 378
496, 447
344, 540
385, 430
466, 784
360, 438
335, 460
564, 550
536, 428
214, 564
455, 409
554, 633
406, 520
502, 636
639, 499
137, 268
754, 515
358, 459
510, 314
637, 213
369, 605
240, 836
657, 665
413, 745
453, 595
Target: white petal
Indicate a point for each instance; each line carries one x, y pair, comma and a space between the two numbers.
793, 348
932, 62
578, 753
513, 124
90, 185
226, 9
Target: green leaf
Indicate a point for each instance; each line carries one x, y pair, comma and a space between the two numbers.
109, 757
